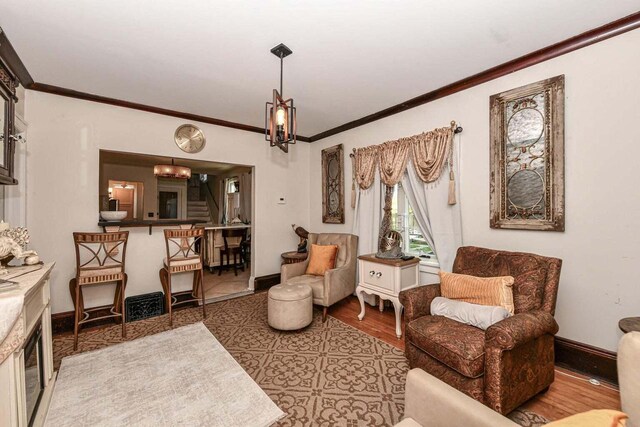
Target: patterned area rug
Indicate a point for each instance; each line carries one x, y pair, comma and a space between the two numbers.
327, 374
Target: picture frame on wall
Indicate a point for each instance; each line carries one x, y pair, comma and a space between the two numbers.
333, 185
527, 157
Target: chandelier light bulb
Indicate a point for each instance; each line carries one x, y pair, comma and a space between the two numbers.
280, 114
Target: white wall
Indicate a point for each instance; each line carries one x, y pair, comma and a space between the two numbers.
65, 136
599, 282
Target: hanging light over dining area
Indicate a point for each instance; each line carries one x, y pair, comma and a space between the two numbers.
172, 171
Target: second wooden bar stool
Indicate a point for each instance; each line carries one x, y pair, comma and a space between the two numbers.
184, 254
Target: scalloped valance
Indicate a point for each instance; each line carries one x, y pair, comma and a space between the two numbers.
429, 152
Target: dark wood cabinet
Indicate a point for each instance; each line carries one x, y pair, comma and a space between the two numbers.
8, 84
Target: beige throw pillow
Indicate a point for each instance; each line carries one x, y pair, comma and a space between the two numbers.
495, 291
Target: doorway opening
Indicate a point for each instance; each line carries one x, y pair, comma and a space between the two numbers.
218, 195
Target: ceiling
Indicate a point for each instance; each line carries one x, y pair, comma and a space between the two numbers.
351, 58
197, 166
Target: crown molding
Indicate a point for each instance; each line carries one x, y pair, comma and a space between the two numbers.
57, 90
585, 39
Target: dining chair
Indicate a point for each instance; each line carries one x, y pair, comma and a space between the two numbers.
234, 240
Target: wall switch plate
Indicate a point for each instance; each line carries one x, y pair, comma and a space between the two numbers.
150, 214
282, 201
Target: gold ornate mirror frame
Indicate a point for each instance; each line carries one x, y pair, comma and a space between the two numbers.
333, 185
527, 157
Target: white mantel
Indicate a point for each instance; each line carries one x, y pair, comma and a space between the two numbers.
33, 293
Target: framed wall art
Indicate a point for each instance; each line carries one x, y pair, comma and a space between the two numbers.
333, 185
527, 157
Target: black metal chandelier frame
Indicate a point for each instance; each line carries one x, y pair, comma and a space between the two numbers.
280, 135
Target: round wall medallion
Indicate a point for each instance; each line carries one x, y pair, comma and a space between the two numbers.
189, 138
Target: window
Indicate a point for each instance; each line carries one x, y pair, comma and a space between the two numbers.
232, 201
404, 221
233, 185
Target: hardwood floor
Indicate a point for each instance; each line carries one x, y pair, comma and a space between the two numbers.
570, 393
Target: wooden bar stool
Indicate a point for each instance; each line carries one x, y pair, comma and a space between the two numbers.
100, 259
233, 245
184, 254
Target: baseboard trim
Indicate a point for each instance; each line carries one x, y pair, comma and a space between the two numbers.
586, 359
265, 282
63, 322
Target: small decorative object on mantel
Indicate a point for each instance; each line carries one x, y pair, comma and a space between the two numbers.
12, 244
333, 185
304, 235
527, 157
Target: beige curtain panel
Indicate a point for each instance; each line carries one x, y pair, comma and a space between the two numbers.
366, 160
429, 151
392, 159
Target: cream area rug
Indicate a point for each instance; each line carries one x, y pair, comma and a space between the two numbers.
179, 377
328, 374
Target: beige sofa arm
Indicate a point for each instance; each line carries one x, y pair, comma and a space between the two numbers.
433, 403
629, 376
287, 271
339, 283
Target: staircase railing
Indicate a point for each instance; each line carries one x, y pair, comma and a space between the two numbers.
213, 199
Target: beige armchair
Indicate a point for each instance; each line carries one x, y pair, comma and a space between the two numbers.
337, 283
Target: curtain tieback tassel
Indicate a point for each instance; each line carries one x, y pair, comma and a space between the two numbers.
452, 189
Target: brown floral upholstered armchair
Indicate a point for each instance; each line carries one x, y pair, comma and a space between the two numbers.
512, 360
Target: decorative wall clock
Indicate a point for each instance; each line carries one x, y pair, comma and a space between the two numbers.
189, 138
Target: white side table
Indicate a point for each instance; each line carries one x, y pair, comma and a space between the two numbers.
386, 278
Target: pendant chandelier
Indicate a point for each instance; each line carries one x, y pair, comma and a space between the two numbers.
172, 171
124, 186
280, 114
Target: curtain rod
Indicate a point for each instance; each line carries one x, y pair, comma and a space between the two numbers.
456, 130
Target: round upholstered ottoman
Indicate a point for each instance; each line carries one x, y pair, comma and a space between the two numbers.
290, 307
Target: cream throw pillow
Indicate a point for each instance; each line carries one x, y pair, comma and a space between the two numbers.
480, 316
495, 291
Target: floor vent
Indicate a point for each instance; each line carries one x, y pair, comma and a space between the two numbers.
144, 306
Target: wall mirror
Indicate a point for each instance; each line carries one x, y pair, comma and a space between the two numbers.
4, 112
527, 157
8, 85
333, 185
